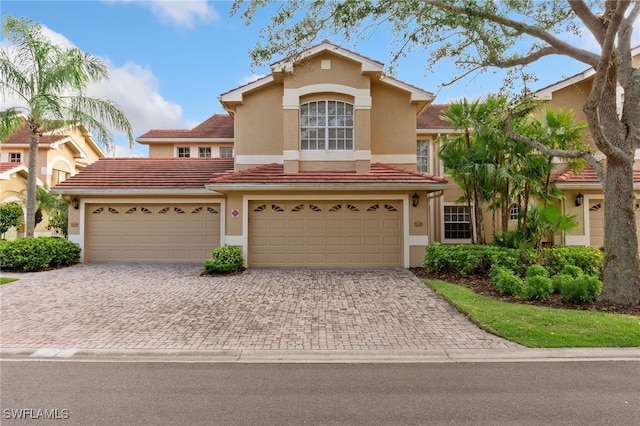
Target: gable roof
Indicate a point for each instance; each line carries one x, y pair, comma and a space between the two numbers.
272, 176
7, 169
214, 128
368, 65
53, 138
554, 87
144, 175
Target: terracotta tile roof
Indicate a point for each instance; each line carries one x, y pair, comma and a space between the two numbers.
22, 136
588, 175
216, 126
430, 118
7, 166
148, 173
274, 174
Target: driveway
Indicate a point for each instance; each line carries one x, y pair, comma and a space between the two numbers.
170, 306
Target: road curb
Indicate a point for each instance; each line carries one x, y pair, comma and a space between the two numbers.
322, 356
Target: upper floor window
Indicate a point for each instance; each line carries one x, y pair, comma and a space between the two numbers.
326, 125
15, 157
423, 156
204, 152
184, 152
226, 152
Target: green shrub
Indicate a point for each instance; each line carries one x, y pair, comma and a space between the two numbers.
10, 216
588, 259
572, 270
225, 260
470, 259
582, 289
559, 280
537, 287
537, 271
506, 281
37, 254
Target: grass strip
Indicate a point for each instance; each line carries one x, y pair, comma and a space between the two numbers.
541, 327
5, 280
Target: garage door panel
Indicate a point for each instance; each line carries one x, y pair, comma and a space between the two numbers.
325, 233
158, 233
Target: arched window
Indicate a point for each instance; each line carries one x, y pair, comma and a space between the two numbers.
326, 125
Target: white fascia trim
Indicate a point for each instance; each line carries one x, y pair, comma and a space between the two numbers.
236, 95
440, 131
547, 93
291, 154
291, 97
259, 159
367, 65
19, 168
417, 95
260, 187
174, 140
395, 158
80, 152
134, 191
637, 155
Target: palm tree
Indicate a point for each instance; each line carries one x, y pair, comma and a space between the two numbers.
51, 81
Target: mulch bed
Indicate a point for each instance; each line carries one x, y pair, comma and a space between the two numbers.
482, 285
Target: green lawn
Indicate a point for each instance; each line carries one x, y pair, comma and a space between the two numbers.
7, 280
539, 327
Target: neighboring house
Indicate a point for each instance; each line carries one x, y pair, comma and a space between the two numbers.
61, 153
584, 196
321, 172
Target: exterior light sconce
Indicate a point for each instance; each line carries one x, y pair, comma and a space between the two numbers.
579, 199
415, 199
75, 203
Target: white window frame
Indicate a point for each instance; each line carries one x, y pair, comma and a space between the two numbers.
446, 240
327, 128
230, 155
180, 154
514, 212
427, 142
206, 150
14, 155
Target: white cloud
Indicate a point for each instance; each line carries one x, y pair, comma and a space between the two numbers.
185, 13
133, 88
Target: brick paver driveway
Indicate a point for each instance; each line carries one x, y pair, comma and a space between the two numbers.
160, 306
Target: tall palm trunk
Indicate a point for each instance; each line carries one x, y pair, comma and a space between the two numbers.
30, 220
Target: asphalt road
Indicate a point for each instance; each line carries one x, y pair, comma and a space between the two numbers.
166, 393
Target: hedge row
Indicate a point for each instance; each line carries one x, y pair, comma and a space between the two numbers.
37, 254
469, 259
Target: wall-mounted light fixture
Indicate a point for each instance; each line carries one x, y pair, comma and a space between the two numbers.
415, 199
75, 203
579, 199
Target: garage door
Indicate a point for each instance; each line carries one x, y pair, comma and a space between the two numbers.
325, 234
596, 222
152, 233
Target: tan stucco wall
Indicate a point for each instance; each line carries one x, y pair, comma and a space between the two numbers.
162, 151
259, 123
393, 122
343, 71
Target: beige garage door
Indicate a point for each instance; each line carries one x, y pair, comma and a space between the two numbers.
596, 222
152, 233
325, 233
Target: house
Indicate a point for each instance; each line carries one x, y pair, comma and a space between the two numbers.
62, 153
583, 193
314, 165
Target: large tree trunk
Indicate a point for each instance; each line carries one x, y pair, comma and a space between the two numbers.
622, 267
31, 184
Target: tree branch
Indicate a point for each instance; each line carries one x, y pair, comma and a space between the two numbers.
561, 153
591, 21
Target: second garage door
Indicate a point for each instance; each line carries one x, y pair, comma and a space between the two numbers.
596, 222
151, 233
325, 234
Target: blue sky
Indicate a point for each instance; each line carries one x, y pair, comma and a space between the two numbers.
169, 60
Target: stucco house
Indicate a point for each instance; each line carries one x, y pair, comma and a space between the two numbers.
62, 153
314, 165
